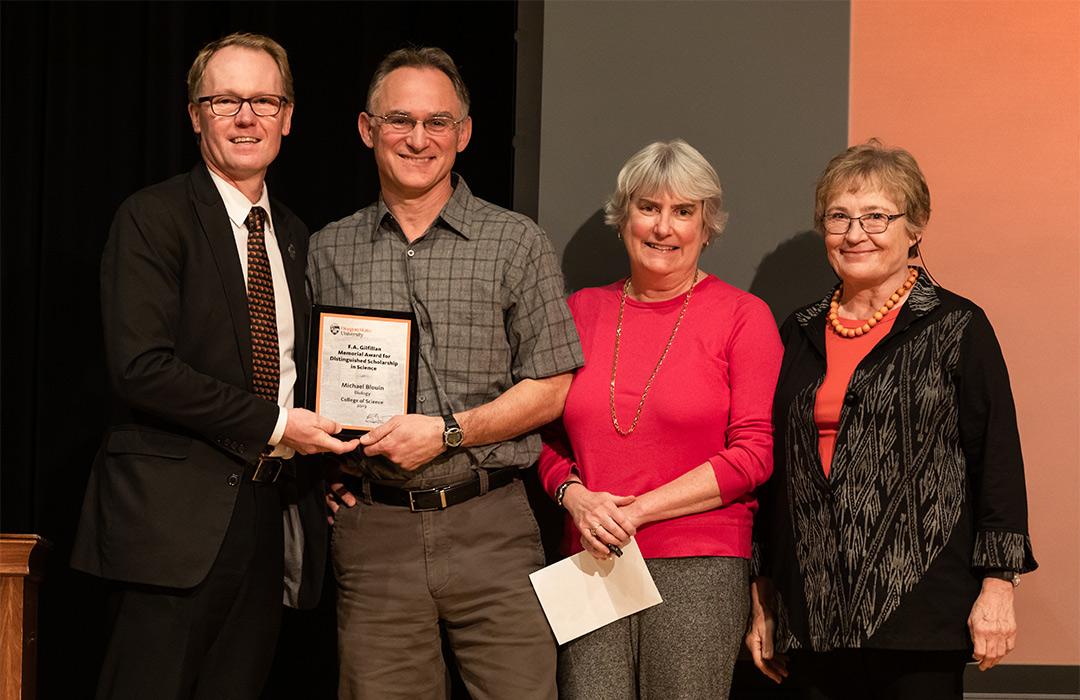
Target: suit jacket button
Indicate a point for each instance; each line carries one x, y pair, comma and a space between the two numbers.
851, 399
233, 479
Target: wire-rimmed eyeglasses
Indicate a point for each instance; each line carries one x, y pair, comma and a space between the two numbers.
401, 123
838, 223
230, 105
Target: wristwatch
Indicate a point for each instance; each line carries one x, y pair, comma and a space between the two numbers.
452, 435
1012, 577
560, 492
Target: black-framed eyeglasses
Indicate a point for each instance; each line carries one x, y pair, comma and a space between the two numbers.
230, 105
401, 123
875, 222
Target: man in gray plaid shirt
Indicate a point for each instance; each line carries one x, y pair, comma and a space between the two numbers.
440, 528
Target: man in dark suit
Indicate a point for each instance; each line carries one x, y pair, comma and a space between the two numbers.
205, 314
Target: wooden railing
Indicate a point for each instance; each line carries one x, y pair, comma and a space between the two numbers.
21, 563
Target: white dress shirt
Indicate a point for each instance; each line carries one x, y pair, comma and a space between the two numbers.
238, 207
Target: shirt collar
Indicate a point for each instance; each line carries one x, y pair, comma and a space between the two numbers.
456, 214
237, 205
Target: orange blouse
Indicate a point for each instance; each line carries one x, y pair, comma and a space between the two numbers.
842, 356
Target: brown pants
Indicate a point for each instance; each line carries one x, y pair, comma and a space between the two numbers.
400, 573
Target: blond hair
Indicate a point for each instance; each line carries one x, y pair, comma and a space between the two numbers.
256, 42
874, 165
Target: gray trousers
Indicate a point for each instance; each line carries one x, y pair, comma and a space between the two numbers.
400, 573
683, 648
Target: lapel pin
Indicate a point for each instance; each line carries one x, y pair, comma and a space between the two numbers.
292, 251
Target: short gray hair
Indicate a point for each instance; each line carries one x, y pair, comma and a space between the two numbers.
674, 167
418, 57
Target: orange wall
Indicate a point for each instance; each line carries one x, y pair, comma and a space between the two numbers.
986, 95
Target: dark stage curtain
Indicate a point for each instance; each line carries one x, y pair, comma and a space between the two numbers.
93, 98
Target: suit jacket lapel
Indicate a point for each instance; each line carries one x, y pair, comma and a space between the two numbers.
215, 224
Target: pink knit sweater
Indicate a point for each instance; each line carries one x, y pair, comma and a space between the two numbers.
711, 401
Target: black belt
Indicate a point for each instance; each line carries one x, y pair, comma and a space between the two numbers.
269, 469
439, 498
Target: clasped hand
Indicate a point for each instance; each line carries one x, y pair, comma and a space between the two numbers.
409, 441
601, 517
309, 433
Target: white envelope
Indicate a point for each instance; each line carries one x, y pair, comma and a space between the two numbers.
580, 594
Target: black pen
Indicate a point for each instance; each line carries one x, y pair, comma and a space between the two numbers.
614, 549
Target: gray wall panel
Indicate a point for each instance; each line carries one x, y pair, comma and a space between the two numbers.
760, 88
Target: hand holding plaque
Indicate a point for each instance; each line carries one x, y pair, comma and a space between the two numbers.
361, 366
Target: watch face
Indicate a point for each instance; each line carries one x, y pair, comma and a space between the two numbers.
453, 437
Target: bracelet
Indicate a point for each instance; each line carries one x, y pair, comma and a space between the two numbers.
561, 491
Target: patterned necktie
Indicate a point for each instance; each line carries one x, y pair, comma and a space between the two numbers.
264, 336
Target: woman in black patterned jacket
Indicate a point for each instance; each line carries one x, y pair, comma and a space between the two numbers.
895, 526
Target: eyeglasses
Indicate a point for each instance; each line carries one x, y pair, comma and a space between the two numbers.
230, 105
404, 124
874, 222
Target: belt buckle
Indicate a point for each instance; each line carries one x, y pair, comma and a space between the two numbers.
417, 509
267, 470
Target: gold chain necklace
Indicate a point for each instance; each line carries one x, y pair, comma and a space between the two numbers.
615, 359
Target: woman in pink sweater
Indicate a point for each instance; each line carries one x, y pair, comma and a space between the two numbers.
666, 434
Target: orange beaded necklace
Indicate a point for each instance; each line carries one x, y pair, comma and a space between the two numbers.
845, 332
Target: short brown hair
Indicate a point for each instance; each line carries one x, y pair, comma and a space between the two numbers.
418, 57
257, 42
873, 164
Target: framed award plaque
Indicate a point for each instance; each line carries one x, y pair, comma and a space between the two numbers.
362, 366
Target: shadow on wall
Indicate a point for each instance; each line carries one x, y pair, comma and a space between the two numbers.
795, 274
594, 256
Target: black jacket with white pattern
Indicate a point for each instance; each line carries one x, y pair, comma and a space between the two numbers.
925, 491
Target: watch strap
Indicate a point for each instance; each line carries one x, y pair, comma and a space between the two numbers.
452, 433
560, 492
1012, 577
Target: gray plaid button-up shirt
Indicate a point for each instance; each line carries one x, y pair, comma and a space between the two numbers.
487, 292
